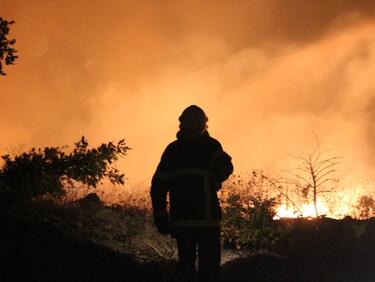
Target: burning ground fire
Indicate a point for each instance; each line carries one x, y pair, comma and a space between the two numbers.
341, 203
307, 210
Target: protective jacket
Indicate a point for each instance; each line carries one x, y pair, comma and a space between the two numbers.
191, 171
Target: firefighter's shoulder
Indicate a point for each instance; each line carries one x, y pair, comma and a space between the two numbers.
214, 143
171, 147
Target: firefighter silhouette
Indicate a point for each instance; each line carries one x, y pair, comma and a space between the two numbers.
190, 172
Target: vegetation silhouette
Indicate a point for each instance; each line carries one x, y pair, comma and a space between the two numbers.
7, 51
314, 175
46, 171
365, 207
248, 212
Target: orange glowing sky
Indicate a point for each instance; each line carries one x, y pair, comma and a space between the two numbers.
268, 74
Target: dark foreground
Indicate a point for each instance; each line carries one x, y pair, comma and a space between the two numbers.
320, 250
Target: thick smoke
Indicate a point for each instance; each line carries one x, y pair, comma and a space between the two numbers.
268, 73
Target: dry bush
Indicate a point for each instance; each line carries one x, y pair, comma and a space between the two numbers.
121, 219
248, 211
365, 207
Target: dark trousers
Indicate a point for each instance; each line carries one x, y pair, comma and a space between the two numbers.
201, 242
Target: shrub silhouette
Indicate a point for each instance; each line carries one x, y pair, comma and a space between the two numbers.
45, 171
365, 207
248, 211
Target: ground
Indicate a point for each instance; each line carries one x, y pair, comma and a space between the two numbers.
38, 249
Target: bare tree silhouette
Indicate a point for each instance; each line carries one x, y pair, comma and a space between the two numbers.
315, 174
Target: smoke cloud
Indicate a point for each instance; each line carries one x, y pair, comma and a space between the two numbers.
268, 74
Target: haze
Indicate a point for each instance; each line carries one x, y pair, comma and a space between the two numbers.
268, 74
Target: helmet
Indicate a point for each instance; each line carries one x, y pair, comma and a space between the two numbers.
193, 118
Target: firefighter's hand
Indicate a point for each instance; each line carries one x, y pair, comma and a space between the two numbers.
162, 223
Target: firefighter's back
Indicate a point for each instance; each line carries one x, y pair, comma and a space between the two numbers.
193, 199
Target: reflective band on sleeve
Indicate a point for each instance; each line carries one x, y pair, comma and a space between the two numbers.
205, 173
195, 223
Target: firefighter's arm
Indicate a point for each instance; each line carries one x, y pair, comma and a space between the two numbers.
222, 166
159, 191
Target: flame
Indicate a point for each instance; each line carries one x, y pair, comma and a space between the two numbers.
341, 203
306, 210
